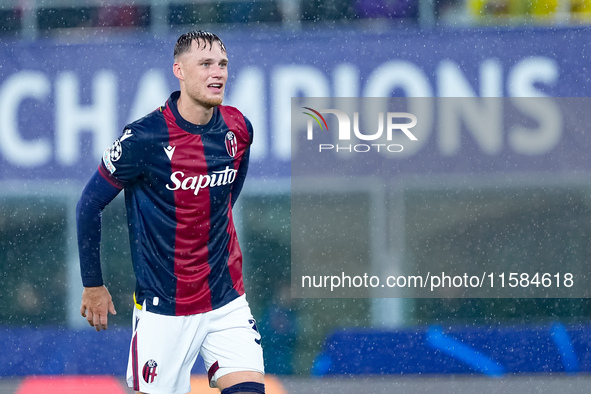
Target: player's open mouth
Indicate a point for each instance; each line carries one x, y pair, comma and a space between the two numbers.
215, 86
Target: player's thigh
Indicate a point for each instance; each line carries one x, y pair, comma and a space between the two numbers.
233, 343
234, 378
162, 353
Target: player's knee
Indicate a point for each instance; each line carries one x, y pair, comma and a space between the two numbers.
245, 388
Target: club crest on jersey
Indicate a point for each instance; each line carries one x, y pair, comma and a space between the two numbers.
149, 371
231, 144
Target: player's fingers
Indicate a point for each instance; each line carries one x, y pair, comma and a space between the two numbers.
89, 317
83, 310
103, 321
96, 321
112, 308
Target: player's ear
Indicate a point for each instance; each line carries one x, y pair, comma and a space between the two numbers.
178, 71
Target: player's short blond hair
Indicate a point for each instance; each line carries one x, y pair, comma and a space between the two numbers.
201, 37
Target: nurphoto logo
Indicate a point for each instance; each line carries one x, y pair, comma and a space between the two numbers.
394, 122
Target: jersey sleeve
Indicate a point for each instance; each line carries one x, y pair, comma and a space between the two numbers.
243, 167
123, 161
97, 194
250, 129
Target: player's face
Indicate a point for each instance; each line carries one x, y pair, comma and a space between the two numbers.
204, 73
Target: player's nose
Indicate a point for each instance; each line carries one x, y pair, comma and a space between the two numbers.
218, 71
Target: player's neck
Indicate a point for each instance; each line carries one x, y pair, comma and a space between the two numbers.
194, 112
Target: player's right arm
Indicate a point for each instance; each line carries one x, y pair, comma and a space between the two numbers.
96, 300
121, 164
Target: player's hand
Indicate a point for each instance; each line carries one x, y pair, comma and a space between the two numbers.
96, 305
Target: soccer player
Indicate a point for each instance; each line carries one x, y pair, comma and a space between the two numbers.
182, 168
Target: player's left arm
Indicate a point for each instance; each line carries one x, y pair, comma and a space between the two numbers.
243, 167
240, 176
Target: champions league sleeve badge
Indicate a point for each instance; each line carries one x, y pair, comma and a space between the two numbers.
231, 144
116, 150
111, 155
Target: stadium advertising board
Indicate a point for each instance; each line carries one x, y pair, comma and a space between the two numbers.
62, 104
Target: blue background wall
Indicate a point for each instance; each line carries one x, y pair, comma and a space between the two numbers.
62, 103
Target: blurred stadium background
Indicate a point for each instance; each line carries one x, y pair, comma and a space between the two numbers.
73, 72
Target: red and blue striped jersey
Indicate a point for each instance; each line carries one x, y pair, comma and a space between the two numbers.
180, 182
